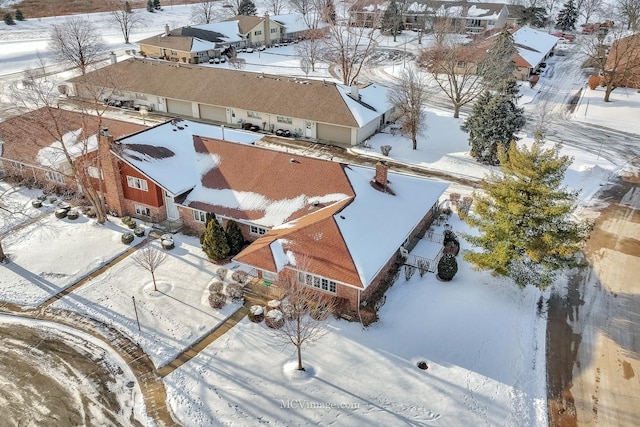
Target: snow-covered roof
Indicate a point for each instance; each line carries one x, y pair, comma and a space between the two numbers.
53, 156
376, 224
165, 152
373, 102
533, 45
228, 29
198, 45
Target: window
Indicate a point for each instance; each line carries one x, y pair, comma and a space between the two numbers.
461, 64
200, 216
54, 176
274, 30
282, 119
174, 53
142, 210
269, 276
257, 230
94, 172
257, 33
317, 282
253, 115
140, 184
16, 165
141, 96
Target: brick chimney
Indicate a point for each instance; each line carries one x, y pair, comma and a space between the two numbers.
114, 194
267, 30
381, 174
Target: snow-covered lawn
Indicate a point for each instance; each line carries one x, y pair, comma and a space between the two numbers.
621, 113
171, 318
51, 254
481, 339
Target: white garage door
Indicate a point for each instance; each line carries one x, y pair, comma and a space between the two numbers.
331, 133
182, 108
209, 112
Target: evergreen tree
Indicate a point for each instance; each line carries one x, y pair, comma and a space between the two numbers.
495, 119
19, 15
156, 5
524, 217
447, 267
150, 6
247, 7
534, 16
127, 7
499, 62
214, 240
391, 20
235, 239
8, 19
567, 17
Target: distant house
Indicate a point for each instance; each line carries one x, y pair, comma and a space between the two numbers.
30, 149
313, 109
186, 44
534, 47
339, 227
623, 62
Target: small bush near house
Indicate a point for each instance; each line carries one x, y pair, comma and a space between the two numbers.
126, 219
91, 213
241, 276
132, 224
320, 312
19, 15
216, 287
256, 313
594, 81
42, 197
127, 238
73, 214
139, 231
234, 291
274, 319
447, 267
217, 301
60, 213
409, 271
221, 273
385, 149
8, 19
36, 203
451, 243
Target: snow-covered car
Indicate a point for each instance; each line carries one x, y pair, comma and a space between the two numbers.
249, 50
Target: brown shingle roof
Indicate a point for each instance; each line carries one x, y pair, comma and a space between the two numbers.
246, 23
275, 175
169, 42
315, 241
312, 100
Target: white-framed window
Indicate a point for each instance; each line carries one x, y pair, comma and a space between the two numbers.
317, 282
283, 119
269, 276
54, 176
257, 33
16, 165
254, 229
174, 53
142, 210
274, 30
141, 96
94, 172
199, 216
253, 115
461, 64
140, 184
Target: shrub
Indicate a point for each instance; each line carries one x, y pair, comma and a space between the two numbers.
73, 214
91, 213
139, 231
42, 197
132, 225
60, 213
126, 219
221, 273
167, 244
594, 81
385, 149
241, 276
422, 267
36, 203
127, 238
274, 319
235, 239
52, 199
8, 19
214, 240
217, 301
19, 15
216, 287
234, 291
409, 270
288, 310
256, 313
451, 243
320, 311
447, 267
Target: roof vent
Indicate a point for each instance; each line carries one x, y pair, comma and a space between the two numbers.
292, 160
342, 216
316, 203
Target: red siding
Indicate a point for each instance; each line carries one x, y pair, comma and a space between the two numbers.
152, 197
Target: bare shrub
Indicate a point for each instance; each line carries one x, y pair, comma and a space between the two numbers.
234, 291
256, 313
217, 301
409, 270
216, 287
221, 273
422, 267
241, 276
274, 319
385, 149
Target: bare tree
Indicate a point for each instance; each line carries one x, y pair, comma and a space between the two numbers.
621, 66
149, 258
234, 5
76, 41
629, 10
127, 20
409, 95
349, 48
311, 10
454, 69
276, 6
311, 48
305, 310
204, 12
587, 8
11, 210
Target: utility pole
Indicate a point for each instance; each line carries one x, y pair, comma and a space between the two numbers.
136, 311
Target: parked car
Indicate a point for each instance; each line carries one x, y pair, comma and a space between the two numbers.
263, 47
283, 132
249, 50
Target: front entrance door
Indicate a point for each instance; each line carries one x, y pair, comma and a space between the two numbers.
172, 208
307, 129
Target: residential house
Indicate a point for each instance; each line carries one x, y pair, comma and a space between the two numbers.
31, 148
534, 47
186, 44
339, 227
313, 109
623, 62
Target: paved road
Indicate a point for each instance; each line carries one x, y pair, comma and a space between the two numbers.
593, 352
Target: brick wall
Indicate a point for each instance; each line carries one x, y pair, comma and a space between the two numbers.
114, 194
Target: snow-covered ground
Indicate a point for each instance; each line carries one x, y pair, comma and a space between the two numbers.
481, 337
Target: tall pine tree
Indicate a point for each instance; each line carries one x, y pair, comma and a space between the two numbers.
156, 5
495, 119
150, 6
392, 20
235, 239
214, 240
567, 17
19, 15
524, 218
247, 7
499, 62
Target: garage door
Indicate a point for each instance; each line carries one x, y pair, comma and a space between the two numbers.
182, 108
331, 133
209, 112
